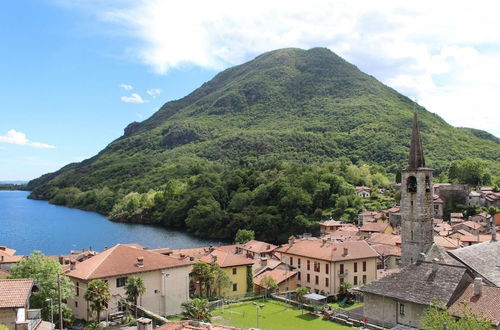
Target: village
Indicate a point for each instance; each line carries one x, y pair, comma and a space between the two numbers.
384, 272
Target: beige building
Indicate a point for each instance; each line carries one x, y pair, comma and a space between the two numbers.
14, 305
166, 280
322, 265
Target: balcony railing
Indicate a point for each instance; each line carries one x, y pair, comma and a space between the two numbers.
34, 318
343, 274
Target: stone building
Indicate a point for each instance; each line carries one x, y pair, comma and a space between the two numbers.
416, 202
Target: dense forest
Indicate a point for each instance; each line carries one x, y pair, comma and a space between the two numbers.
270, 145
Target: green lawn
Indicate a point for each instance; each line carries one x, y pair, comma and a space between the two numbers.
347, 308
273, 316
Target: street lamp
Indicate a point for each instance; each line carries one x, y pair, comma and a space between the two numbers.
51, 312
258, 307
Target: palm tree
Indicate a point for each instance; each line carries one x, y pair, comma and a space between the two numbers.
98, 295
196, 309
134, 287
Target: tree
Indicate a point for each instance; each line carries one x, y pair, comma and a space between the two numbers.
437, 316
134, 287
98, 294
218, 280
3, 327
269, 284
300, 293
243, 236
202, 273
44, 271
196, 309
344, 288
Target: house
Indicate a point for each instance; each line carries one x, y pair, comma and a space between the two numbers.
370, 228
402, 297
458, 215
256, 249
482, 259
8, 258
370, 216
386, 239
479, 299
472, 227
482, 217
323, 265
389, 256
438, 207
166, 280
491, 197
363, 191
15, 312
329, 226
238, 269
476, 198
285, 279
468, 240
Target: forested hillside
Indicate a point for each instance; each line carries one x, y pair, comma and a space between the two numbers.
265, 136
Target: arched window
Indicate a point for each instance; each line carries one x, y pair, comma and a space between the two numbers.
427, 184
411, 184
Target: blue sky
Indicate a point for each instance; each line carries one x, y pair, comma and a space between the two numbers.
75, 73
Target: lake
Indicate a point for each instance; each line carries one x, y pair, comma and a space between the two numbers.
27, 225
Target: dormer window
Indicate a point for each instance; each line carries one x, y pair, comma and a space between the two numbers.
411, 184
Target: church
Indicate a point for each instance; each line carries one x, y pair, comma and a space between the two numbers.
429, 272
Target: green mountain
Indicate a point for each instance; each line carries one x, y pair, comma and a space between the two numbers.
288, 105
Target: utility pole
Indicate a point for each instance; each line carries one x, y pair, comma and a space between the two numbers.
60, 301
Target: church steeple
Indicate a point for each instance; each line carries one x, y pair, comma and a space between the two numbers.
416, 158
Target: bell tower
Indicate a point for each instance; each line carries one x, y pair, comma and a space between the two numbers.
416, 202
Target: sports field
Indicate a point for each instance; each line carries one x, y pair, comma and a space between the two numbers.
273, 316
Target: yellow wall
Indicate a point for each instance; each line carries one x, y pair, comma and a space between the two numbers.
240, 278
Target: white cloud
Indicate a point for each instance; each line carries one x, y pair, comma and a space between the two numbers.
133, 98
444, 53
126, 87
3, 148
154, 92
19, 138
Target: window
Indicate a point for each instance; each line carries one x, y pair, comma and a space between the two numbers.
308, 264
76, 304
364, 279
355, 267
120, 281
308, 278
317, 266
327, 283
411, 184
327, 268
364, 266
298, 262
77, 289
298, 276
411, 235
316, 280
341, 270
235, 286
401, 309
291, 261
427, 184
235, 271
355, 282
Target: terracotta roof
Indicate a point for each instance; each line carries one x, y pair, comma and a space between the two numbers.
331, 223
260, 266
387, 250
481, 258
195, 325
122, 260
330, 251
447, 243
226, 259
228, 248
485, 305
6, 250
193, 254
343, 235
456, 215
374, 227
7, 258
258, 246
279, 275
473, 238
165, 251
437, 199
420, 283
472, 224
349, 227
363, 188
393, 210
456, 220
387, 239
15, 293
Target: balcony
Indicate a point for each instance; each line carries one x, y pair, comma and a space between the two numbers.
29, 320
343, 274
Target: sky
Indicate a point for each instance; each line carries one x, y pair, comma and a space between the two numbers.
75, 73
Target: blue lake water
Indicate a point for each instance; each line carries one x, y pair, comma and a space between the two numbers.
27, 225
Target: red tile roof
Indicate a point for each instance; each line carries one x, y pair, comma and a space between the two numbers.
381, 238
226, 259
374, 227
331, 223
279, 275
15, 293
122, 260
258, 247
485, 305
327, 250
6, 250
473, 238
387, 250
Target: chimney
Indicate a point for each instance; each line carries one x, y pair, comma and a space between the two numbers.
478, 284
61, 260
291, 240
263, 261
3, 247
346, 252
214, 258
210, 249
435, 265
323, 241
140, 261
72, 265
493, 230
144, 324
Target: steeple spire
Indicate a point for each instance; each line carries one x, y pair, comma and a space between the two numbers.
416, 158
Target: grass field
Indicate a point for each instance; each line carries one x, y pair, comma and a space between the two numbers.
348, 308
273, 316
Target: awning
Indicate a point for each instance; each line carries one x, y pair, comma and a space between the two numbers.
314, 296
